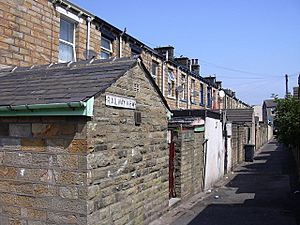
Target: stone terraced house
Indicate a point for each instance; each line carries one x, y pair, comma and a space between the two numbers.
82, 143
85, 130
50, 31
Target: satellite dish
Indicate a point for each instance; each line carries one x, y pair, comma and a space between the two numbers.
221, 94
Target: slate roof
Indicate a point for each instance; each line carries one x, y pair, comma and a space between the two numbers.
60, 83
270, 103
240, 115
192, 113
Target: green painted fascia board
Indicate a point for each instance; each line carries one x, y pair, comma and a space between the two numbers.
199, 129
56, 109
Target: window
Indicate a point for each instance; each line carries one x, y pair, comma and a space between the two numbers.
66, 41
154, 69
106, 48
183, 94
209, 97
214, 100
193, 93
171, 84
201, 94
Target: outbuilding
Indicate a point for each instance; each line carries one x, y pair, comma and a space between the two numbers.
82, 143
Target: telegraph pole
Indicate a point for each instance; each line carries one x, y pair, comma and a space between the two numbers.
299, 86
286, 86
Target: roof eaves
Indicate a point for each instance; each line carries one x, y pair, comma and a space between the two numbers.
80, 108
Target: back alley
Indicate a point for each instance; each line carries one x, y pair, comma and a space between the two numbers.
260, 192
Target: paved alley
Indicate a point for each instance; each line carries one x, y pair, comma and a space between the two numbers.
256, 193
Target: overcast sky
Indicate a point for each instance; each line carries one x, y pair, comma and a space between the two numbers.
249, 45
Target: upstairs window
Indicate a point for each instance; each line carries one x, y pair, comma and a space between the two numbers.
214, 99
154, 69
209, 100
201, 94
192, 91
67, 41
171, 84
183, 81
106, 48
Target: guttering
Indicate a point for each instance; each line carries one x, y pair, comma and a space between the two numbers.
79, 108
43, 106
74, 7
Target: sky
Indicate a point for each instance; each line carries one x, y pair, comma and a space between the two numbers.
248, 45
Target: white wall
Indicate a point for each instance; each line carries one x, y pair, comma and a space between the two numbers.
258, 112
214, 168
270, 132
229, 150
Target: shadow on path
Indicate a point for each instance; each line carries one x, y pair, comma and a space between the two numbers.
260, 193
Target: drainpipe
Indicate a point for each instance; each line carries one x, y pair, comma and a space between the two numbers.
120, 46
88, 20
121, 43
163, 78
177, 93
187, 91
204, 146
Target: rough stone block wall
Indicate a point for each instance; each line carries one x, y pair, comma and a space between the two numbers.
43, 171
189, 163
261, 136
128, 163
29, 32
198, 171
238, 140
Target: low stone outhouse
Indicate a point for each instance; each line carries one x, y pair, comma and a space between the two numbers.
82, 143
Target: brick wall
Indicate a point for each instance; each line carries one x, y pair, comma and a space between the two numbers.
238, 140
42, 170
71, 170
189, 163
29, 32
128, 164
261, 135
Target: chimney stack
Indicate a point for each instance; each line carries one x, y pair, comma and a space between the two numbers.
183, 61
195, 66
167, 52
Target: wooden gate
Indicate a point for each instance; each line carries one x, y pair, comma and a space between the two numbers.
172, 192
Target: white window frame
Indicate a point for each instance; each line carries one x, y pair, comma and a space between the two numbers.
171, 83
183, 84
103, 49
68, 14
67, 42
156, 69
192, 91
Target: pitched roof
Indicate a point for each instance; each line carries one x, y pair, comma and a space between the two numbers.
270, 103
240, 115
60, 83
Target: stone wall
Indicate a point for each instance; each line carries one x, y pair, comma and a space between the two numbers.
128, 163
261, 135
43, 170
29, 33
189, 162
238, 139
